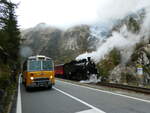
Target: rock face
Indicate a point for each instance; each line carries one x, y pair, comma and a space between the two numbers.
73, 37
143, 59
40, 37
115, 74
129, 73
122, 74
62, 46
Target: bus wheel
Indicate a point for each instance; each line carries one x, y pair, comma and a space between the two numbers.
27, 88
50, 87
23, 82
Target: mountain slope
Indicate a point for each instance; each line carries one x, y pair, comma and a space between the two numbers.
62, 46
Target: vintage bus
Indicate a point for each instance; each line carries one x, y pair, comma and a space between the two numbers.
38, 71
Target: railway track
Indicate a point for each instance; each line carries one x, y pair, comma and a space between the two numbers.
126, 87
114, 85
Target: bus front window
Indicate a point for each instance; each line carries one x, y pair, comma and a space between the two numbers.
47, 65
34, 65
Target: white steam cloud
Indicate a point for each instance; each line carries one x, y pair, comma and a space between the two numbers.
25, 51
116, 9
124, 40
146, 24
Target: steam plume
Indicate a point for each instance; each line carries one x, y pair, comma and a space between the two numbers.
123, 39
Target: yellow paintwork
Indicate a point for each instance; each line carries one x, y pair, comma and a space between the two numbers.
27, 76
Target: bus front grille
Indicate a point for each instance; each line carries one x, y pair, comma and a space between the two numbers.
38, 79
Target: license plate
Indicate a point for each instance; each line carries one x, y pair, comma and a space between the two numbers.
41, 84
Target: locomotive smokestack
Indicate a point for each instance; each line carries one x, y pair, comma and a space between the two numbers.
89, 59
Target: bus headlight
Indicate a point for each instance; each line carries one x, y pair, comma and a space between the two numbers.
51, 77
31, 78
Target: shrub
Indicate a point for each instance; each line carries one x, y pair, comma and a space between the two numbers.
109, 63
128, 78
133, 25
139, 45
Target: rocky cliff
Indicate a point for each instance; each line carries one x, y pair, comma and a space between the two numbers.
62, 46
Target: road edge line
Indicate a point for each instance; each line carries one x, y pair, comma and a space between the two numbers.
19, 105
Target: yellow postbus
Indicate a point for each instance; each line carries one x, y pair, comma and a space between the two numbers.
38, 71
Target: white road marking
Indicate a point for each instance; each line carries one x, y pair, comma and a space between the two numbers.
143, 100
19, 108
77, 99
88, 111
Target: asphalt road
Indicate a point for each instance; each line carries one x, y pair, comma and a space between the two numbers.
70, 98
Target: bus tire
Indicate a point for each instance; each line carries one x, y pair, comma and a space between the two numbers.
50, 87
23, 82
27, 88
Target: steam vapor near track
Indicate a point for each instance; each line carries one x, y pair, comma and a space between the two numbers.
110, 12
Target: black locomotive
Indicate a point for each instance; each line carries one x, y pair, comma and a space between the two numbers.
79, 70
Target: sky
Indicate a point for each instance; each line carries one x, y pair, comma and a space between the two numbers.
67, 13
59, 13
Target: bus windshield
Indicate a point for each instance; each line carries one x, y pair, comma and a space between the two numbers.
47, 65
34, 66
40, 65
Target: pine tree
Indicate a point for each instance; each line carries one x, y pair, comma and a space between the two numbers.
9, 33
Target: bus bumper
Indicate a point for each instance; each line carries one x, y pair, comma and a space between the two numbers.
40, 84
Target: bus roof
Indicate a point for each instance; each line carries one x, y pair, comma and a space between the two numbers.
39, 57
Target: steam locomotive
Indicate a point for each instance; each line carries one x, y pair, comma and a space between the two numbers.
76, 70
